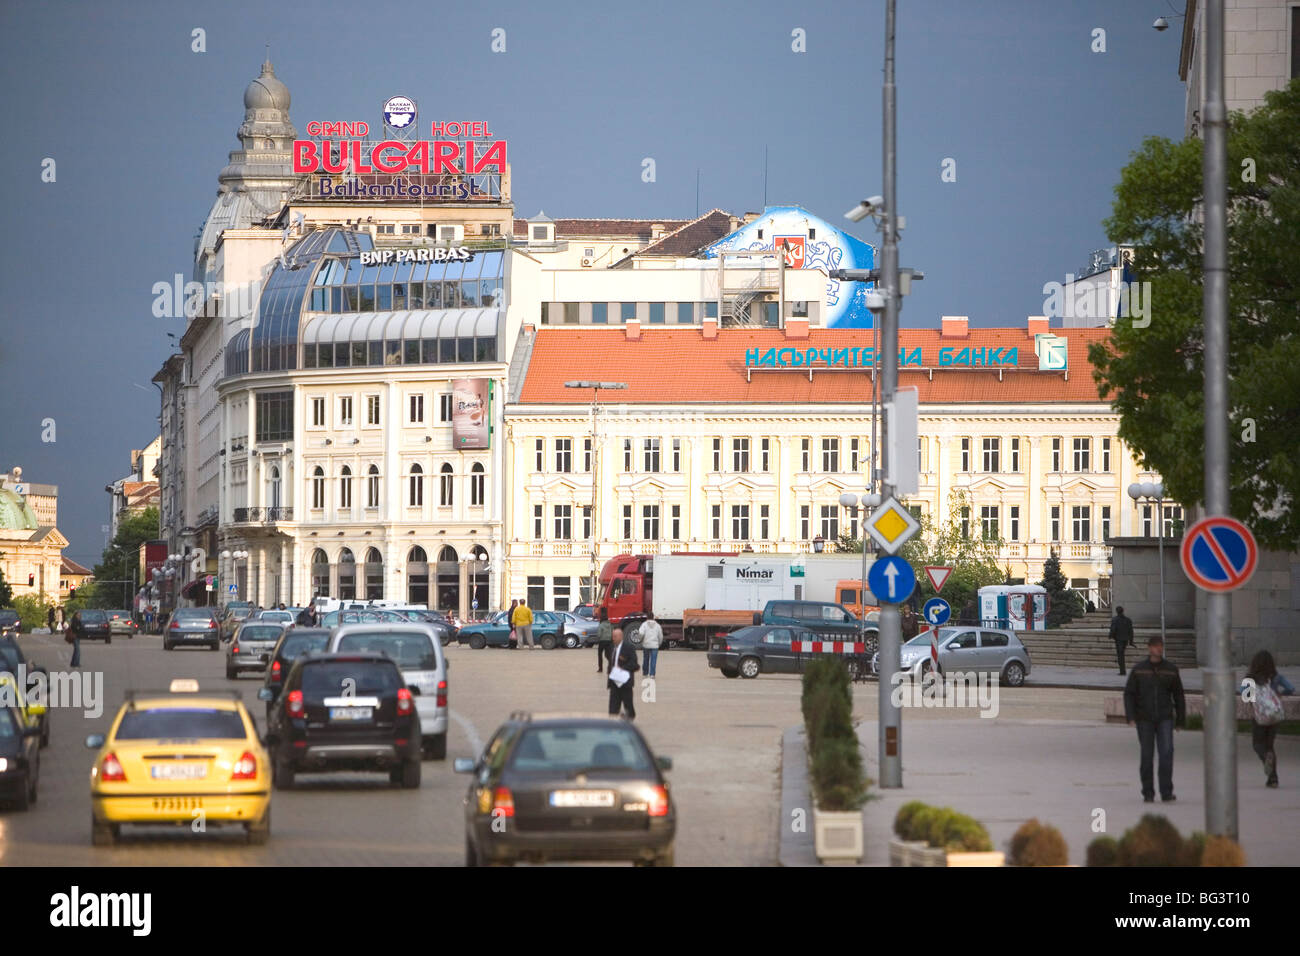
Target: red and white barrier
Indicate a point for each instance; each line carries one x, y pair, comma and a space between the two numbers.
828, 647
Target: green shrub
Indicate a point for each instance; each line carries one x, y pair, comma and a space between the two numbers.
937, 834
919, 823
837, 771
1222, 851
1193, 849
31, 611
1153, 842
1103, 851
1037, 844
966, 835
834, 760
903, 821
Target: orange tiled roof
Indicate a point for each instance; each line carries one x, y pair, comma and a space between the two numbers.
680, 365
72, 567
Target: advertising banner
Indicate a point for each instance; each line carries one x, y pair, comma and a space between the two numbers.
469, 413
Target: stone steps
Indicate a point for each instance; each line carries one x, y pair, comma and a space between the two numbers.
1094, 649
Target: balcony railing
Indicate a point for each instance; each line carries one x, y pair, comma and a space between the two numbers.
265, 515
246, 515
279, 514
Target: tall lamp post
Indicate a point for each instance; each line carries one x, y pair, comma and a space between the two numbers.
595, 469
1155, 492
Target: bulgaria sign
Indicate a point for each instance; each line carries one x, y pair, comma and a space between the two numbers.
469, 413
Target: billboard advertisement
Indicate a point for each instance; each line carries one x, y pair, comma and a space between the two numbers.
469, 413
153, 555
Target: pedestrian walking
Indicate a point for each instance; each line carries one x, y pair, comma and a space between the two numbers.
49, 618
604, 637
652, 636
73, 636
1121, 632
522, 619
1267, 710
1153, 700
622, 665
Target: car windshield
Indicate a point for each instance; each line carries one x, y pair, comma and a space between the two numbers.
239, 613
260, 632
369, 679
747, 633
177, 723
193, 614
93, 617
300, 644
8, 617
570, 749
7, 726
410, 651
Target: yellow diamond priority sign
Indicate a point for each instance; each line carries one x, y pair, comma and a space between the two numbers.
892, 525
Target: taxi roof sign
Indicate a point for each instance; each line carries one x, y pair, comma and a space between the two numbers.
891, 525
184, 685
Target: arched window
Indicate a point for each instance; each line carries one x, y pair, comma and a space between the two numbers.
447, 581
417, 487
273, 487
445, 486
318, 487
347, 575
374, 575
417, 576
320, 573
477, 485
372, 487
345, 487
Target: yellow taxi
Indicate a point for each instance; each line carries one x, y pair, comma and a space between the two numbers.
11, 695
182, 757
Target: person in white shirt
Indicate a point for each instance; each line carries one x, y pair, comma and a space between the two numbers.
652, 636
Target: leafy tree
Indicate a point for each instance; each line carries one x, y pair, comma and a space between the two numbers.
6, 592
31, 611
1155, 374
1063, 604
121, 561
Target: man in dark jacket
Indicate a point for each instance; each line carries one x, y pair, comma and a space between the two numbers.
622, 655
1121, 632
1153, 699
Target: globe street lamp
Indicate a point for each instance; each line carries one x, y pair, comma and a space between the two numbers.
1155, 491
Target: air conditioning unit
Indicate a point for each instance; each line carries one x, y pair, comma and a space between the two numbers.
586, 263
451, 233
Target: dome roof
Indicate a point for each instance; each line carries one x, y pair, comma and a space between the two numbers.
267, 92
15, 513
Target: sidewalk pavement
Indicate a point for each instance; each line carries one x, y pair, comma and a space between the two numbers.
1105, 678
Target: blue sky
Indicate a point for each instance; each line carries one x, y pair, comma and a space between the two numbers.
139, 126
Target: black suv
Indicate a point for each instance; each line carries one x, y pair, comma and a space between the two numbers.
292, 644
90, 623
344, 711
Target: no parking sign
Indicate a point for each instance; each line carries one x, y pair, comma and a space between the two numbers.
1219, 554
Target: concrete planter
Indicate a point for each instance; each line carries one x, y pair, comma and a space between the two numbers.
915, 853
991, 858
838, 836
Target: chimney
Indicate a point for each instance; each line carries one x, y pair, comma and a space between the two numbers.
633, 329
710, 327
954, 326
796, 327
1039, 325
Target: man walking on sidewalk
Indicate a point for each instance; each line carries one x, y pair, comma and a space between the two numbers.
622, 665
1153, 699
1121, 632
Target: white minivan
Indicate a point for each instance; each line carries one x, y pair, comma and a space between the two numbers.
418, 653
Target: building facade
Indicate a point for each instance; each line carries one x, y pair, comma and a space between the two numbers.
31, 547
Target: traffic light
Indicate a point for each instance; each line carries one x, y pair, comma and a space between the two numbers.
31, 580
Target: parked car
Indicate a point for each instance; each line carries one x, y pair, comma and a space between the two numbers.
121, 623
568, 788
586, 611
578, 631
91, 624
345, 711
236, 612
443, 628
10, 622
192, 625
293, 643
418, 652
20, 758
762, 649
549, 630
967, 649
365, 615
830, 621
252, 646
11, 658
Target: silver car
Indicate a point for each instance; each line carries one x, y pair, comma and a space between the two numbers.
251, 649
578, 631
966, 649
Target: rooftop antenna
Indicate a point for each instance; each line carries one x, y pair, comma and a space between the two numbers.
764, 177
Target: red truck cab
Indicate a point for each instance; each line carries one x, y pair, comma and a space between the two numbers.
626, 588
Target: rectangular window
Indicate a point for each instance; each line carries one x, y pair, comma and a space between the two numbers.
650, 454
564, 454
318, 412
345, 411
345, 490
626, 311
1105, 522
1081, 518
992, 454
805, 455
830, 454
677, 455
1015, 456
586, 522
711, 310
1147, 528
656, 313
627, 454
444, 407
538, 521
717, 454
965, 454
627, 522
1055, 528
805, 532
563, 522
740, 522
685, 313
1056, 454
417, 409
1014, 522
600, 313
570, 313
989, 522
853, 454
715, 514
1105, 455
536, 592
650, 522
765, 451
764, 517
830, 524
677, 522
740, 455
539, 455
561, 589
1082, 454
586, 455
372, 409
1173, 520
965, 522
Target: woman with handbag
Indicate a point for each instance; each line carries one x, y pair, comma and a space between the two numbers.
1267, 710
73, 637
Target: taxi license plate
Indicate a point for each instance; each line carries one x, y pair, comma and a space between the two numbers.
351, 713
165, 804
582, 798
180, 771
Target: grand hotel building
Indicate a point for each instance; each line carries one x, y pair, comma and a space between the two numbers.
310, 435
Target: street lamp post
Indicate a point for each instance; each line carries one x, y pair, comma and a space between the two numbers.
869, 501
1155, 492
595, 469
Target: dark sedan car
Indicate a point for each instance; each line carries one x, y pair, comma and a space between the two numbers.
568, 788
20, 758
10, 622
766, 649
11, 658
443, 628
548, 631
91, 624
293, 643
192, 625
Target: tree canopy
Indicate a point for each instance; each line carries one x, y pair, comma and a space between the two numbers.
1154, 373
121, 561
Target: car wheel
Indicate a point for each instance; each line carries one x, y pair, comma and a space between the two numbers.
103, 834
634, 634
471, 855
108, 640
282, 774
410, 775
478, 642
730, 672
666, 858
166, 646
24, 798
435, 747
260, 832
749, 667
216, 646
231, 673
445, 640
548, 642
1013, 675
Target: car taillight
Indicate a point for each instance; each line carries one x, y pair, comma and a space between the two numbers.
234, 648
110, 770
293, 705
404, 703
657, 804
275, 671
503, 802
442, 693
245, 767
175, 625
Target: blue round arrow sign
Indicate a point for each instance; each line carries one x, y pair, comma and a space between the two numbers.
891, 580
936, 611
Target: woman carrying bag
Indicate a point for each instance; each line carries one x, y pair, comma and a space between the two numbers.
1267, 709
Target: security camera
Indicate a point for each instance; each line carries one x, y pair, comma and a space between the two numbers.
868, 207
1161, 24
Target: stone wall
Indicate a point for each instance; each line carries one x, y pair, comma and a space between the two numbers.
1135, 582
1265, 611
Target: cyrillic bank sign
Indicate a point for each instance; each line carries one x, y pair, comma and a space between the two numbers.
865, 358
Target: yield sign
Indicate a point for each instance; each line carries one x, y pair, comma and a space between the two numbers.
1219, 553
937, 576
